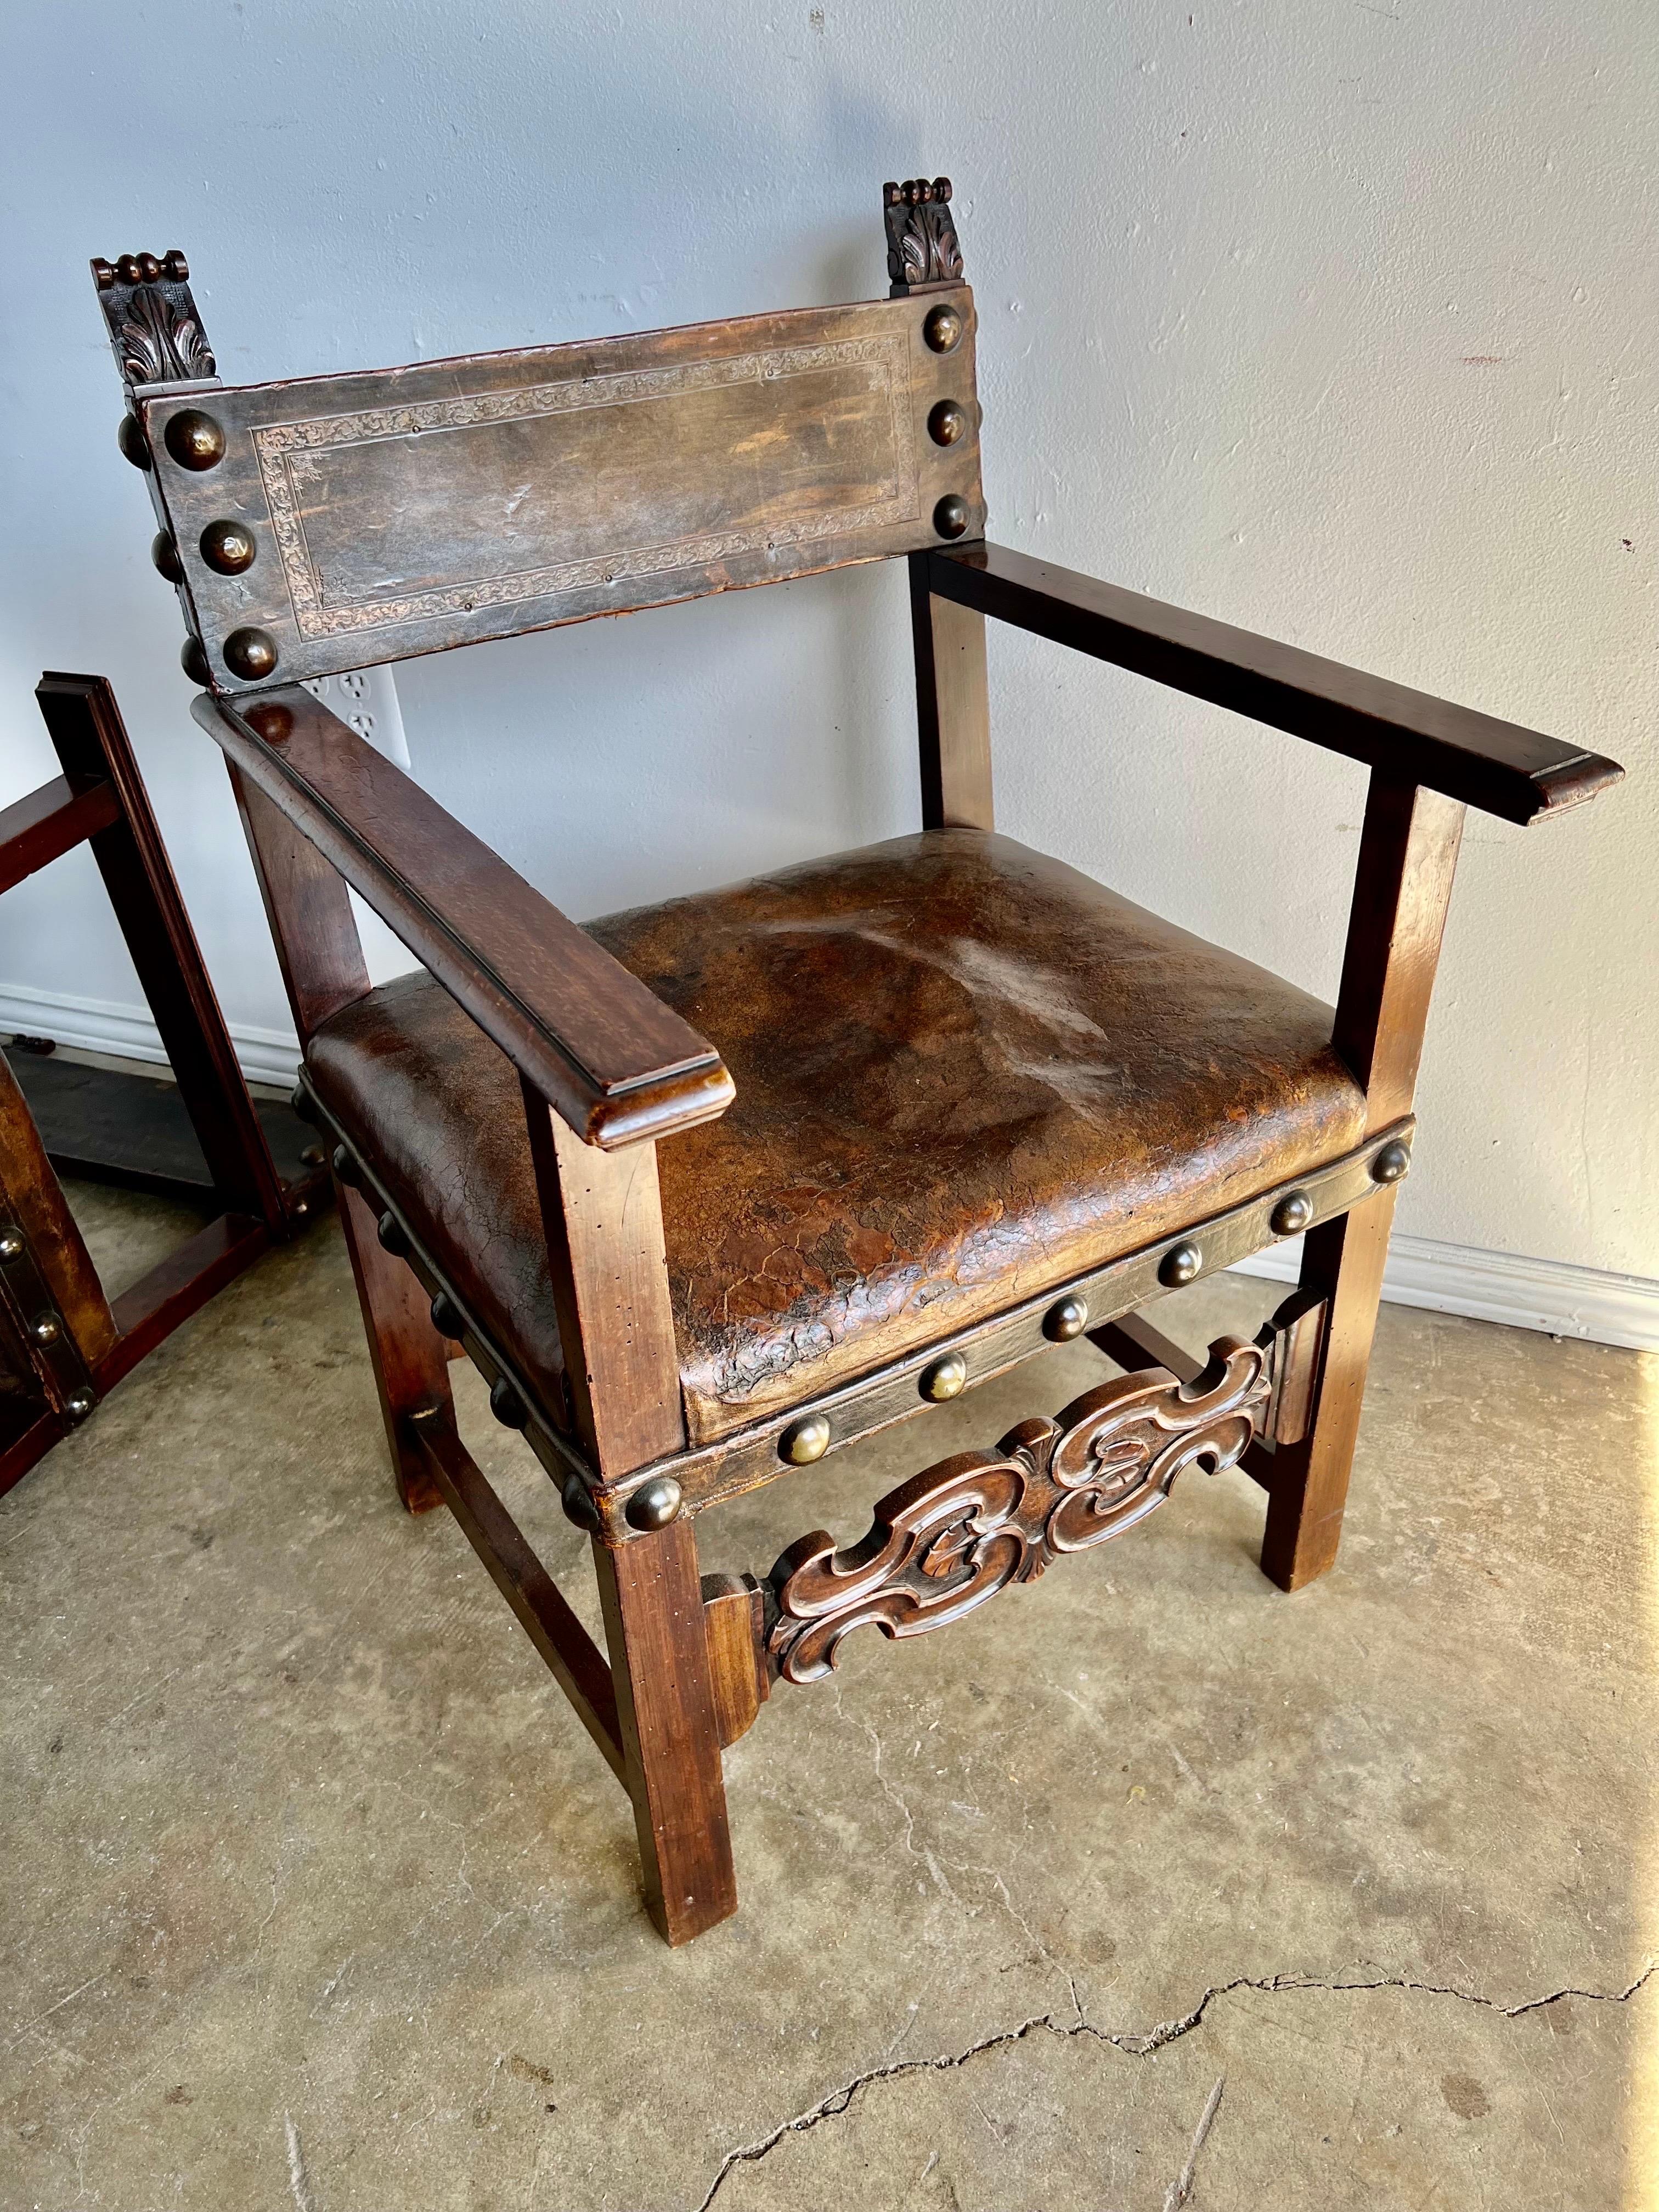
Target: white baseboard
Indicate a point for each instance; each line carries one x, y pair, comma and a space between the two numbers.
128, 1032
1501, 1287
1459, 1279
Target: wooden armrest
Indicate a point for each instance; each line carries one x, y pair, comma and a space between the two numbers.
598, 1045
1496, 766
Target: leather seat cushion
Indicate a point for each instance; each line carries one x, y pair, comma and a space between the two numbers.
965, 1073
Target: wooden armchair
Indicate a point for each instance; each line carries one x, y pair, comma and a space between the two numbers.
975, 1102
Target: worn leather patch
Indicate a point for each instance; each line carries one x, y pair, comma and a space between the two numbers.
965, 1073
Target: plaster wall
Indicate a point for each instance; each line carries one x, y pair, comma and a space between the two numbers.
1335, 320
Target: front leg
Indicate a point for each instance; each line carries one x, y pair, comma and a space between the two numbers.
652, 1599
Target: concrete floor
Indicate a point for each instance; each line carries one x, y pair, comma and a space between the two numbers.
316, 1895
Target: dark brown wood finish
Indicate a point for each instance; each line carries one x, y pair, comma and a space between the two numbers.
176, 1287
1136, 1344
62, 1345
92, 743
129, 1128
652, 1598
734, 1618
312, 924
953, 1537
1299, 1326
1291, 1338
615, 1061
36, 829
1494, 765
1402, 888
321, 957
1342, 1261
753, 1456
154, 331
954, 714
923, 252
603, 1214
535, 1598
732, 454
52, 1277
603, 1220
372, 509
411, 1359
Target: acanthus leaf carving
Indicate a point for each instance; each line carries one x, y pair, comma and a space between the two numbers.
921, 236
152, 320
953, 1536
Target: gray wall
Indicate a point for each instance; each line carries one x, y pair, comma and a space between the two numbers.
1339, 321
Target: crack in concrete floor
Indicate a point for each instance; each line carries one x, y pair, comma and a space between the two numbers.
838, 2100
357, 1895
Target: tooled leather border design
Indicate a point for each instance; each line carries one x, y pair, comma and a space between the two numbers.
953, 1536
282, 447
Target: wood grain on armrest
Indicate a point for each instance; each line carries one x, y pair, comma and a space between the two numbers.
596, 1042
1496, 766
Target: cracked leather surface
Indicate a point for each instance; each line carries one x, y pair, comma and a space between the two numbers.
965, 1073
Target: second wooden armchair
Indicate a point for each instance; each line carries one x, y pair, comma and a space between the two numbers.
710, 1189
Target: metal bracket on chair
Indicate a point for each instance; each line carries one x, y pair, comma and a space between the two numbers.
951, 1538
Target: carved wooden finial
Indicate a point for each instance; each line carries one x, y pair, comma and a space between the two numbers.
921, 238
153, 327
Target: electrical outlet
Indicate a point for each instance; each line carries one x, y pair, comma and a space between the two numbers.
367, 699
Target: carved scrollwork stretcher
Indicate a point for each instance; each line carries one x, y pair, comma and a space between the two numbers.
952, 1537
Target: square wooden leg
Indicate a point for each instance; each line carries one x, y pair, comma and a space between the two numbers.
1342, 1261
652, 1598
411, 1359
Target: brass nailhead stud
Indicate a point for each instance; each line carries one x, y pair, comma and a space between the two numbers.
944, 1378
228, 547
130, 437
164, 554
389, 1229
195, 439
192, 659
805, 1440
507, 1405
47, 1329
951, 515
943, 329
1391, 1162
11, 1243
446, 1316
312, 1156
947, 423
251, 652
1067, 1320
1180, 1264
655, 1504
1292, 1214
79, 1404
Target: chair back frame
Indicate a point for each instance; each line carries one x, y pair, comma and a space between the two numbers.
330, 523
